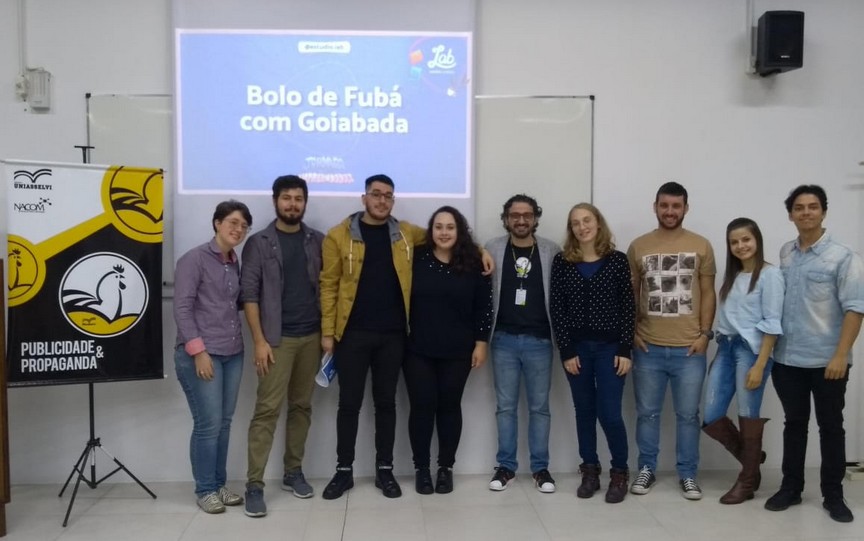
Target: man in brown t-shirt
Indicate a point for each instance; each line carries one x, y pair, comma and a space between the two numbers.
673, 279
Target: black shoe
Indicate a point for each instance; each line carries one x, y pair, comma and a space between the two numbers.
783, 499
342, 481
838, 509
387, 483
423, 481
444, 482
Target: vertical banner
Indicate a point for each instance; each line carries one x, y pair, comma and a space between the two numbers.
84, 273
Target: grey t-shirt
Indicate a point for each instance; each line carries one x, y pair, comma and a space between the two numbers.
301, 313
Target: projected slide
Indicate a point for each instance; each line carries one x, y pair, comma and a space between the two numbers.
332, 107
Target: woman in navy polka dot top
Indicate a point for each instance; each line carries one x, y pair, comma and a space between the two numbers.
593, 317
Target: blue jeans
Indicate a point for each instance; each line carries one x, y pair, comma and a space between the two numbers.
212, 405
515, 356
652, 371
727, 377
597, 392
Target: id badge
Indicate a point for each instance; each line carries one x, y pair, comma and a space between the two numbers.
521, 296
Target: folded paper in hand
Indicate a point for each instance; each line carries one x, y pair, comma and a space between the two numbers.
328, 370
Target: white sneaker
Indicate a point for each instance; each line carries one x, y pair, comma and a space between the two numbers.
210, 503
229, 498
544, 482
502, 479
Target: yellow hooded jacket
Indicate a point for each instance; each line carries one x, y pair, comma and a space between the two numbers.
343, 253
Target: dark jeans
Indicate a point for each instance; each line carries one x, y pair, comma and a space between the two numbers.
597, 393
435, 388
794, 387
355, 354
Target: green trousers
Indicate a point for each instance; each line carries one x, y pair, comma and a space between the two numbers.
297, 360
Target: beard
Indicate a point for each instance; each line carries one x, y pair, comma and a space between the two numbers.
676, 225
521, 233
290, 219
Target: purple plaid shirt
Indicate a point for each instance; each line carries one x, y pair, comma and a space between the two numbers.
206, 289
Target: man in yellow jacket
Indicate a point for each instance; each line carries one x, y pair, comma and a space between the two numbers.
365, 291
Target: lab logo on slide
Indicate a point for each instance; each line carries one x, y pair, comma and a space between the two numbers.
442, 60
103, 294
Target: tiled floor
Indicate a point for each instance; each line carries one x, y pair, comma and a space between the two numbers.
472, 512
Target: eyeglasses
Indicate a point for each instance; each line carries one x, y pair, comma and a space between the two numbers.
237, 224
386, 196
516, 216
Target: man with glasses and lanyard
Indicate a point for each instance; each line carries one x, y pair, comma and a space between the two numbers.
522, 339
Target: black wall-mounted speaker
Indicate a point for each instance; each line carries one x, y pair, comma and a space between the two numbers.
779, 42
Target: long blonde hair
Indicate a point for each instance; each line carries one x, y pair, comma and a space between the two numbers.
603, 243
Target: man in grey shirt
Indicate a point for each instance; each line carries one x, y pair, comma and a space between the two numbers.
280, 295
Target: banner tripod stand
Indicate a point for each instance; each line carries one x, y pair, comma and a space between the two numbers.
93, 443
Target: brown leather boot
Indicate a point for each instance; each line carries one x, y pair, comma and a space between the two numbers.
725, 431
590, 480
751, 456
618, 482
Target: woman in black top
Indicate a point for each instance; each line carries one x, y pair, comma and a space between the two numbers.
451, 316
593, 317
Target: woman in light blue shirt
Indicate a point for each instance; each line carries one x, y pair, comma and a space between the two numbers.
748, 324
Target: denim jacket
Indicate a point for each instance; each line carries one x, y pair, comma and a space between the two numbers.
822, 284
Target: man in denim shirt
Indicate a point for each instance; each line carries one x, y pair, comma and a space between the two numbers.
280, 295
822, 315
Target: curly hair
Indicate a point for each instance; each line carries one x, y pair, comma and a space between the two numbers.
603, 242
465, 255
522, 198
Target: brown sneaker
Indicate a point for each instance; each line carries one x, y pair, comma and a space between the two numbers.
618, 480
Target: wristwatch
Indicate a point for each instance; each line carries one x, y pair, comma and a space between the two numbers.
709, 334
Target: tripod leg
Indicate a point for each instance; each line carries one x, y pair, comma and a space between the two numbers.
77, 484
121, 466
130, 474
78, 467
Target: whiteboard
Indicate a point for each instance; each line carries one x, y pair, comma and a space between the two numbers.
136, 130
538, 145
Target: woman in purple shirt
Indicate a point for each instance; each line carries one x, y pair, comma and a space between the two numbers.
209, 349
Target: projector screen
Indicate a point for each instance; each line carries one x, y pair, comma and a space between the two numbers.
332, 106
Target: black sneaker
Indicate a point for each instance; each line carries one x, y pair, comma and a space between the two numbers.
690, 489
387, 483
837, 509
342, 481
444, 482
502, 478
783, 499
544, 482
423, 481
644, 481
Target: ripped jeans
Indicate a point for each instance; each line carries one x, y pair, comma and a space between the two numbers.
652, 371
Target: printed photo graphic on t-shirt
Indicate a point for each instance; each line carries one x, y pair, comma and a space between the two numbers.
669, 282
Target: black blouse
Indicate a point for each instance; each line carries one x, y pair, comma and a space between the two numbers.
450, 310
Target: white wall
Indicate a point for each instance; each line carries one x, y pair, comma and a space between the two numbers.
673, 102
